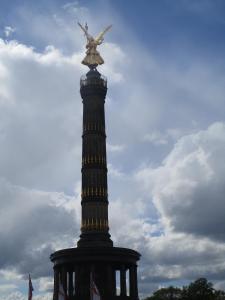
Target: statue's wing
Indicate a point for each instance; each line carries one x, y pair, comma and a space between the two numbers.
101, 34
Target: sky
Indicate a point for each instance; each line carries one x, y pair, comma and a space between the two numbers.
165, 122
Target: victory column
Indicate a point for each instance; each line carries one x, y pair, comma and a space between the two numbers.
95, 253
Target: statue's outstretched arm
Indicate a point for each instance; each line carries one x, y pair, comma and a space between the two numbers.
99, 38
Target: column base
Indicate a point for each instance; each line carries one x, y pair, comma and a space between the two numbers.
103, 262
95, 239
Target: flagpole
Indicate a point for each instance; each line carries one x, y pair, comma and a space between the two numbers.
94, 292
91, 294
30, 289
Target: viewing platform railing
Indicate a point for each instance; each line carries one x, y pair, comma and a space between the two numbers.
102, 81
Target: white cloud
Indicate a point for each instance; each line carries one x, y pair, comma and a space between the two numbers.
20, 296
46, 285
156, 138
114, 172
47, 296
188, 188
5, 287
8, 30
13, 296
115, 148
31, 116
10, 274
75, 8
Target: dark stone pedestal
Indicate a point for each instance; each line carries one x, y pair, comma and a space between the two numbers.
114, 270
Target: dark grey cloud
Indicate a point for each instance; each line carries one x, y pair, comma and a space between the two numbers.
33, 225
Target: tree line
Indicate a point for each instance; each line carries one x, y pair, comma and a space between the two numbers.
201, 289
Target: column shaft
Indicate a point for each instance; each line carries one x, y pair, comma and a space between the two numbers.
70, 283
64, 279
132, 282
123, 286
56, 284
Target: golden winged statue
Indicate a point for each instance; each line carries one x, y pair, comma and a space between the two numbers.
93, 58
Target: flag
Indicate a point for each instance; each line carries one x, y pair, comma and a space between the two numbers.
61, 294
30, 289
94, 292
